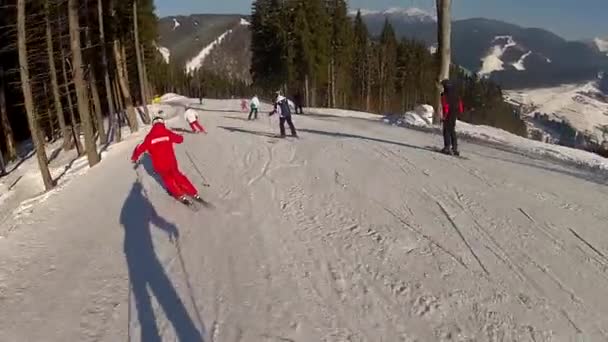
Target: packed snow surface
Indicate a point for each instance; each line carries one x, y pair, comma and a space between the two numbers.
355, 232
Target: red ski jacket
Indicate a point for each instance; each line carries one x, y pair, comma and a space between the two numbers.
159, 144
446, 107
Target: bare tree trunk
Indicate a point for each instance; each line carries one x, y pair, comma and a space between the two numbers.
333, 83
74, 127
124, 86
140, 65
99, 124
104, 60
65, 133
5, 124
119, 108
149, 91
28, 98
81, 88
306, 91
49, 113
444, 32
368, 83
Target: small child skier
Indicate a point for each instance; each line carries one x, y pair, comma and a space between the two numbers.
243, 105
254, 104
191, 116
159, 145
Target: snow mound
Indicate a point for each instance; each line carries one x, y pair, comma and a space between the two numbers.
196, 62
500, 137
176, 24
244, 22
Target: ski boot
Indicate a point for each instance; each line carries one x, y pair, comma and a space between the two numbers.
456, 153
446, 151
185, 200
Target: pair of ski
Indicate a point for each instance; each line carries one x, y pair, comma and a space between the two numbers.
195, 203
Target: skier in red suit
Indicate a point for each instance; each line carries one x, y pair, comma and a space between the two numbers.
159, 145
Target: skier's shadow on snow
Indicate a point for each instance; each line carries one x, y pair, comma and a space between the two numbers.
146, 273
146, 162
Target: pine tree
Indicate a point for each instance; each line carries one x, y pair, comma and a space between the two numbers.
387, 65
341, 53
360, 61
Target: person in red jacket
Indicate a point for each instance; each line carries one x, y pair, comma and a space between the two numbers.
452, 107
159, 145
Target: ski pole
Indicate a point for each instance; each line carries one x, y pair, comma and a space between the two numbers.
189, 285
206, 184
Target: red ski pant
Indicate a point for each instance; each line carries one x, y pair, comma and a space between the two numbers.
177, 183
196, 126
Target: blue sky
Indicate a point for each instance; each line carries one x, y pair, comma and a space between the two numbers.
572, 19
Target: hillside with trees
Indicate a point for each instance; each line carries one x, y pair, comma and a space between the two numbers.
68, 66
314, 48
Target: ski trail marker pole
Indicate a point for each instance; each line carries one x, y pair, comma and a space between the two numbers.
206, 184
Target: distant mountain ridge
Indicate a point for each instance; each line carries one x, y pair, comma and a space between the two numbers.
514, 56
510, 54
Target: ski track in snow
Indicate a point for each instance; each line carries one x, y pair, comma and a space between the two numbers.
355, 232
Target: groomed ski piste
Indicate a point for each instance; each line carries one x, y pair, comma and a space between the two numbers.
357, 231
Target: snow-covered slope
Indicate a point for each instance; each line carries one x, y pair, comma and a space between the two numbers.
196, 62
581, 105
165, 53
357, 231
493, 62
602, 44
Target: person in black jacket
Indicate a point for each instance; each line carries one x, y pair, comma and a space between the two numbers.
281, 106
452, 106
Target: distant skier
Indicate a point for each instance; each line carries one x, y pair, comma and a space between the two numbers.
452, 107
281, 106
254, 104
243, 105
298, 102
159, 145
191, 116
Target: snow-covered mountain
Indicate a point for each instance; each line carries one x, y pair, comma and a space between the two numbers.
574, 114
512, 55
601, 44
409, 15
218, 42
